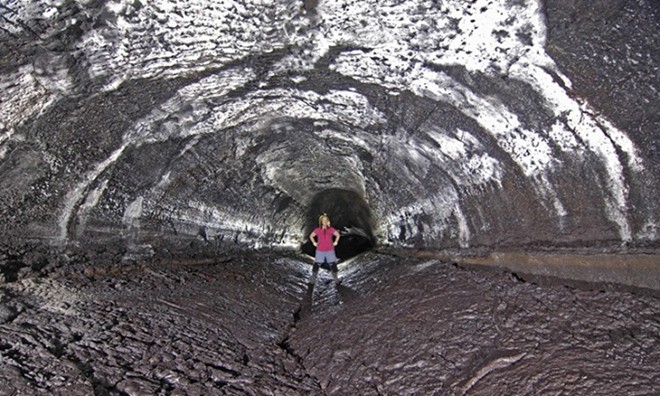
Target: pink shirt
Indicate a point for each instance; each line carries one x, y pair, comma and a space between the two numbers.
324, 238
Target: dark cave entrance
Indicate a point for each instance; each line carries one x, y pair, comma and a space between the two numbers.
350, 214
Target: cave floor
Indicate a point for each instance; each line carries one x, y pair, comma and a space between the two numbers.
252, 325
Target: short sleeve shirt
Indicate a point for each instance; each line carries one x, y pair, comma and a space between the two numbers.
324, 238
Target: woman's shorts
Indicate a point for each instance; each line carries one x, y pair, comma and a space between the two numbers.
325, 257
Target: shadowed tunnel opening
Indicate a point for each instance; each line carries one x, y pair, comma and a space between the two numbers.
350, 214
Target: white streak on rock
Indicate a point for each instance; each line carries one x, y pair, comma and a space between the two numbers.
547, 191
192, 143
528, 149
580, 118
620, 139
221, 222
463, 157
133, 212
498, 363
90, 202
425, 265
429, 218
164, 180
597, 138
564, 139
74, 196
463, 228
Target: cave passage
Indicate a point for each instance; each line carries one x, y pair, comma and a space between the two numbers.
350, 214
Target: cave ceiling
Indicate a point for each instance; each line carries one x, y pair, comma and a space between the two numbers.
460, 124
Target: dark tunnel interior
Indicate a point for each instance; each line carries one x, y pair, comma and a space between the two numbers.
350, 214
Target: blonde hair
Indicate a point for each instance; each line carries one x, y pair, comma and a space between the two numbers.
321, 219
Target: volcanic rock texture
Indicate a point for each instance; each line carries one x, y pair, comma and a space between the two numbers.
393, 327
152, 151
452, 119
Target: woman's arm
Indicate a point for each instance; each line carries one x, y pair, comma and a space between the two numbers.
338, 235
311, 238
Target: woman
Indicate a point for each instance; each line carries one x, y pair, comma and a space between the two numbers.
325, 243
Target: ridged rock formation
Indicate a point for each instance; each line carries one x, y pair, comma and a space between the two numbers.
461, 124
162, 163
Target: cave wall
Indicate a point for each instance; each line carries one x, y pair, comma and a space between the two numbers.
461, 124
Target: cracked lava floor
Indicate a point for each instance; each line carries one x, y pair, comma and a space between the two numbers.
252, 325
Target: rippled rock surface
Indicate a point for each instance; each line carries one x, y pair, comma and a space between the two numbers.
252, 325
161, 163
423, 327
190, 328
461, 124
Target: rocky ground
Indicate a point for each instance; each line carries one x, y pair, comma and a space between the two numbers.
252, 325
